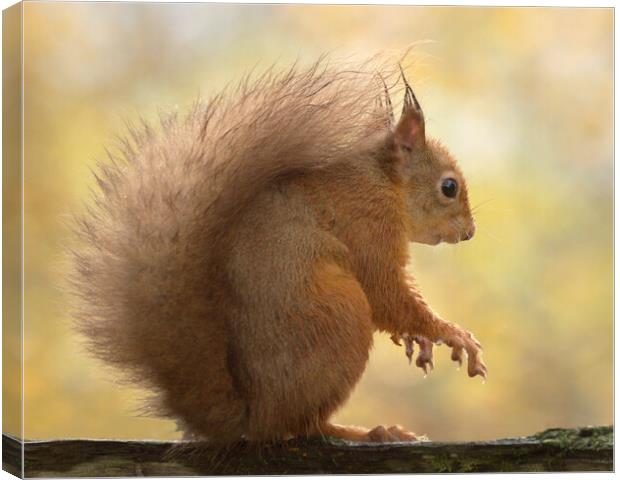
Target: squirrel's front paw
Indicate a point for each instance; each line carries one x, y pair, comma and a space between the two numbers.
464, 342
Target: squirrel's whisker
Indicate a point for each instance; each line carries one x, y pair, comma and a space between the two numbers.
486, 232
476, 207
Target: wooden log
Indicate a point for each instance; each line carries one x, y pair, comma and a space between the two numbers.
555, 450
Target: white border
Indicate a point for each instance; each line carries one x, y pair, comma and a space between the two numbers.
574, 4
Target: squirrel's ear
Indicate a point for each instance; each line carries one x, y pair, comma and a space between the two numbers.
409, 132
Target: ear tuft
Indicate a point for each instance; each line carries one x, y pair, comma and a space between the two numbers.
410, 132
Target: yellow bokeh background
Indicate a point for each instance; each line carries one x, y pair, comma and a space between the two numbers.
522, 96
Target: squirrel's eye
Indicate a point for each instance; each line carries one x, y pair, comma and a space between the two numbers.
449, 187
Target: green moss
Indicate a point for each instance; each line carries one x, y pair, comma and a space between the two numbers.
439, 464
587, 438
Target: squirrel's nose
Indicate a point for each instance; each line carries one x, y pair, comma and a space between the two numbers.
469, 233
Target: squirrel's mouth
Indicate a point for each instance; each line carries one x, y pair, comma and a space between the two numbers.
433, 240
437, 238
451, 239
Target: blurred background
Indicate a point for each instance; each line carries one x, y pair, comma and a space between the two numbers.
522, 96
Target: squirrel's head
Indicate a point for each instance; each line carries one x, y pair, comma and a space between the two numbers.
434, 187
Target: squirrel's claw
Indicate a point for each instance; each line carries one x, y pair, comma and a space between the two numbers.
475, 366
408, 339
396, 339
457, 355
425, 356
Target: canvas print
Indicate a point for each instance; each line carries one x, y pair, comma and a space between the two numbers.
306, 239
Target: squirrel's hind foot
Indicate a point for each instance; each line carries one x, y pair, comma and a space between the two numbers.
380, 434
395, 433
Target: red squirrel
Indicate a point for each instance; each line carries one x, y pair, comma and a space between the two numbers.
237, 260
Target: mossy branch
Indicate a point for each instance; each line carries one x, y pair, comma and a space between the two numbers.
583, 449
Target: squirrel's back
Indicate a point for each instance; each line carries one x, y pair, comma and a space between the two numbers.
152, 271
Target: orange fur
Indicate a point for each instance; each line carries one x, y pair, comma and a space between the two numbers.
238, 261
